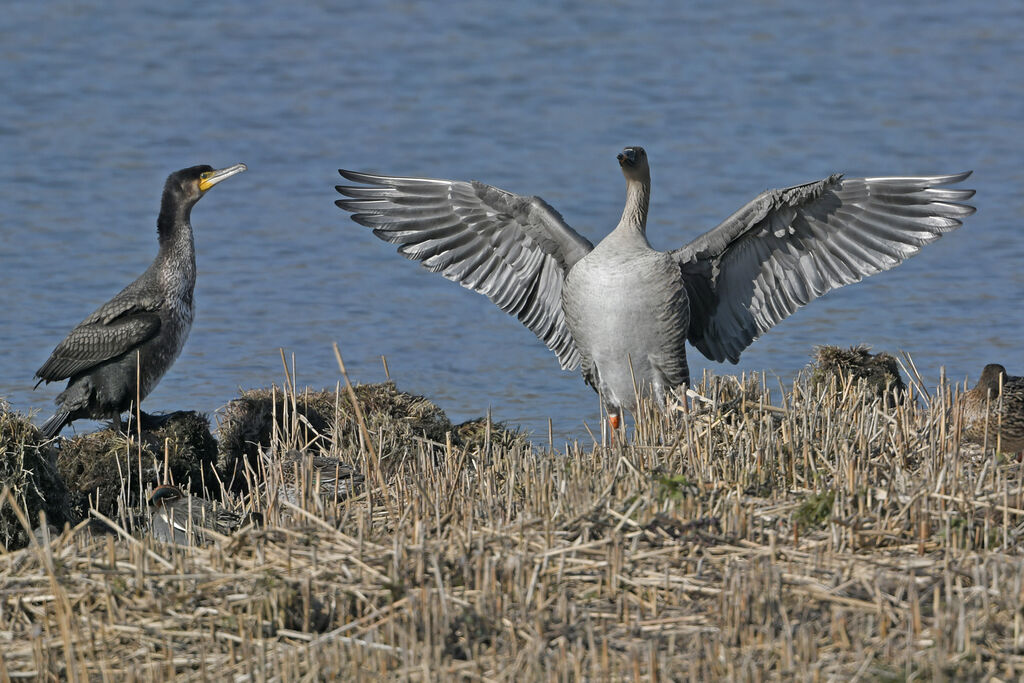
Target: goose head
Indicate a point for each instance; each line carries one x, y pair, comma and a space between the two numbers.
633, 161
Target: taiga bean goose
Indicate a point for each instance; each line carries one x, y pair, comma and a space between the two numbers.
623, 310
144, 326
1005, 413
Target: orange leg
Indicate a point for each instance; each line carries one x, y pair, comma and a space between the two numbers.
613, 421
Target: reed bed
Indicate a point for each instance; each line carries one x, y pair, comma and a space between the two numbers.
819, 531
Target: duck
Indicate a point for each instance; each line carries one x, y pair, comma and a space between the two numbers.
987, 413
179, 518
299, 472
622, 311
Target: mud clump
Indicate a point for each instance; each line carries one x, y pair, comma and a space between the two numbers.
29, 473
95, 465
880, 372
324, 420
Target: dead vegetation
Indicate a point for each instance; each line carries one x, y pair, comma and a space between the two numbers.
880, 371
819, 532
29, 475
325, 421
107, 469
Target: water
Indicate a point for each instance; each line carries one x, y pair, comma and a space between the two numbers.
100, 102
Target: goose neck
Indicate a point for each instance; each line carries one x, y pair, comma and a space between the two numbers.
634, 215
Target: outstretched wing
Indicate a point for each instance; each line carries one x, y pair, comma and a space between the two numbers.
516, 250
117, 327
788, 247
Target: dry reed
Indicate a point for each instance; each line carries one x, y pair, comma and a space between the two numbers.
821, 532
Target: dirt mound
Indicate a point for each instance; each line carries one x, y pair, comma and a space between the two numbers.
880, 371
324, 420
94, 465
29, 473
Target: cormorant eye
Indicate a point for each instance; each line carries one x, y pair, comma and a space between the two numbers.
205, 176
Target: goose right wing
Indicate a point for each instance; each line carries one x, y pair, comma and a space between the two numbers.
515, 250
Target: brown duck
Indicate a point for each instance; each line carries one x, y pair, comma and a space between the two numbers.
1005, 413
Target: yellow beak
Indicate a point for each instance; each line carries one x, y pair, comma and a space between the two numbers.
217, 176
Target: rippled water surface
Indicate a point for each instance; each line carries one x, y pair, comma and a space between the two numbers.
100, 102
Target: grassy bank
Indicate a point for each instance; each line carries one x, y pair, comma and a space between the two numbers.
817, 531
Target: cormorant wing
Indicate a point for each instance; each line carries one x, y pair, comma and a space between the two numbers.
788, 247
516, 250
117, 327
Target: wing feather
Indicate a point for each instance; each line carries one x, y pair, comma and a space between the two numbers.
116, 327
515, 250
91, 344
788, 247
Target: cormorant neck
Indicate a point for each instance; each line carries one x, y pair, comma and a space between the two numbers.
638, 198
174, 221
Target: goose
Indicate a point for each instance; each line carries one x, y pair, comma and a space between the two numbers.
622, 310
144, 327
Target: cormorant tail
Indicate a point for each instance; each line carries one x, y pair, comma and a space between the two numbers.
56, 423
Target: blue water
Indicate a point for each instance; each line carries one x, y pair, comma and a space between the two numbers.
100, 101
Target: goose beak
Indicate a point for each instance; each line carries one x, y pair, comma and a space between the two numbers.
217, 176
626, 157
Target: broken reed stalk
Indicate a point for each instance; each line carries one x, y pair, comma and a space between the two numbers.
373, 460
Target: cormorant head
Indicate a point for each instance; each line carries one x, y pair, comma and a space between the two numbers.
189, 184
165, 494
633, 161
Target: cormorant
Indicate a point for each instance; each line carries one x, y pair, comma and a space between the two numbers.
623, 310
144, 326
